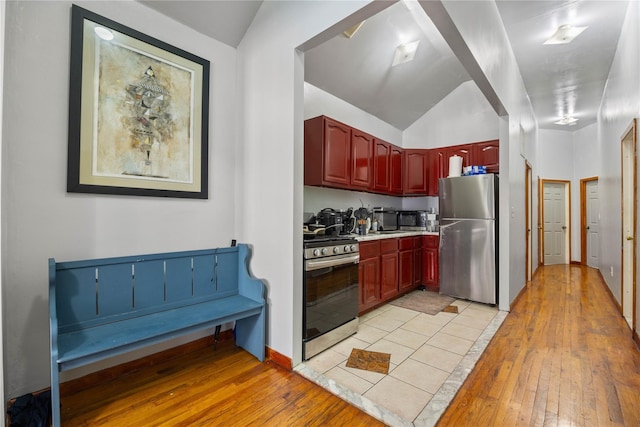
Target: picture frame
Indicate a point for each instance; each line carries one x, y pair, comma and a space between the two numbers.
138, 113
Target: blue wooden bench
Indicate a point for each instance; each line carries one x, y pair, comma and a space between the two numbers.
102, 308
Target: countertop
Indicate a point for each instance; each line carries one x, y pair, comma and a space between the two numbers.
392, 235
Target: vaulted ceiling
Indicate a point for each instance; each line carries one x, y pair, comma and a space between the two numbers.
561, 80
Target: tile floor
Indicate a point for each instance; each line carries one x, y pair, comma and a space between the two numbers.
430, 356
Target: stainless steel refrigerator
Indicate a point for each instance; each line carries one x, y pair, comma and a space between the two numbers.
468, 237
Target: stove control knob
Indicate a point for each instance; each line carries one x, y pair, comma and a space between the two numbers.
324, 251
353, 248
336, 250
346, 248
316, 252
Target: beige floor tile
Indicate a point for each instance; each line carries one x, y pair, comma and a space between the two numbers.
399, 313
421, 375
470, 320
423, 324
407, 338
461, 331
437, 357
398, 352
399, 397
372, 377
384, 323
370, 334
480, 313
345, 347
349, 380
326, 360
450, 343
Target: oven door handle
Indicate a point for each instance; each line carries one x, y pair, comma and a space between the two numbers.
316, 264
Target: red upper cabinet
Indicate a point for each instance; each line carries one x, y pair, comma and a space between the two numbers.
415, 172
396, 164
437, 168
381, 165
327, 156
487, 154
465, 151
361, 159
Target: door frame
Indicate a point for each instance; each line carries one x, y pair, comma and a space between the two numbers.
567, 212
633, 130
583, 218
528, 220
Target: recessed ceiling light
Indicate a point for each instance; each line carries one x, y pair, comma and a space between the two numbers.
567, 120
565, 34
405, 53
103, 33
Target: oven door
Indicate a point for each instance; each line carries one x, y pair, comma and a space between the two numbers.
330, 294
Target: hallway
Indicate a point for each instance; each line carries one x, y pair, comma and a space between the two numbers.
563, 356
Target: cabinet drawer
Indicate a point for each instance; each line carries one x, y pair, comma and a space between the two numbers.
406, 243
369, 249
388, 245
430, 241
417, 242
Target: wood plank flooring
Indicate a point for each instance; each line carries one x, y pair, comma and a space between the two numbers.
563, 356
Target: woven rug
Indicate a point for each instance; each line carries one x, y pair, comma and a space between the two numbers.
369, 361
424, 301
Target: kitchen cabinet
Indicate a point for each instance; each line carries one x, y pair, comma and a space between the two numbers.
369, 275
416, 181
417, 261
487, 153
388, 269
381, 156
405, 264
436, 157
430, 267
396, 163
327, 153
361, 159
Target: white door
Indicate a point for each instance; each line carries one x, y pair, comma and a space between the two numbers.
554, 223
593, 223
628, 151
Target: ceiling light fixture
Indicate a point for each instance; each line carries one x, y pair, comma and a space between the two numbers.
405, 53
567, 120
565, 34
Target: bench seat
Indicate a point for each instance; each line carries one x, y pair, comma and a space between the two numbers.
85, 346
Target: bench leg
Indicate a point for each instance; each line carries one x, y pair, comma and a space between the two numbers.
216, 335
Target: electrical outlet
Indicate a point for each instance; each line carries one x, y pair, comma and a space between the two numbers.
612, 271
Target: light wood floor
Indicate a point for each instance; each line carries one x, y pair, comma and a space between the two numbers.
563, 356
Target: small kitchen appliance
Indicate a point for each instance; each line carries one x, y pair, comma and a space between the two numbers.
412, 220
387, 218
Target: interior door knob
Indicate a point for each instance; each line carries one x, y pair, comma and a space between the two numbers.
587, 227
629, 237
564, 227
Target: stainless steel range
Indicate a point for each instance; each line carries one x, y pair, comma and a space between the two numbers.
330, 288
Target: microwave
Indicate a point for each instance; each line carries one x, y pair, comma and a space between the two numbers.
412, 220
387, 218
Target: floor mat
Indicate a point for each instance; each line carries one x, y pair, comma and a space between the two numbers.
369, 361
424, 301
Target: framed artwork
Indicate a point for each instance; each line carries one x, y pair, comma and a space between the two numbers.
138, 113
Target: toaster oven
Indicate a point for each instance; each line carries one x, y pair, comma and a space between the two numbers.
387, 218
412, 220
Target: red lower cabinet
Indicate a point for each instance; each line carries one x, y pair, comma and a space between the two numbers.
388, 268
369, 275
430, 260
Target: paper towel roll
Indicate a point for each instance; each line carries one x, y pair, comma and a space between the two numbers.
455, 166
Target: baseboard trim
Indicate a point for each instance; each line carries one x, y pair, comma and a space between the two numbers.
611, 297
636, 339
279, 359
520, 294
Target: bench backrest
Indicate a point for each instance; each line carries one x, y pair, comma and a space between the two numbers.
99, 291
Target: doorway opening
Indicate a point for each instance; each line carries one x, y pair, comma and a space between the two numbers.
556, 229
589, 222
628, 152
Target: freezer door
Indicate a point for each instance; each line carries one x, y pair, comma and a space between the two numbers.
467, 196
467, 260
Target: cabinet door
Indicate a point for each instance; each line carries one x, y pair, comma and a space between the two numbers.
369, 276
395, 172
361, 159
405, 265
488, 154
388, 275
381, 162
437, 169
430, 268
415, 172
417, 267
464, 151
337, 153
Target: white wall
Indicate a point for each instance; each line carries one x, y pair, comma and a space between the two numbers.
40, 220
462, 117
3, 8
480, 26
620, 104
